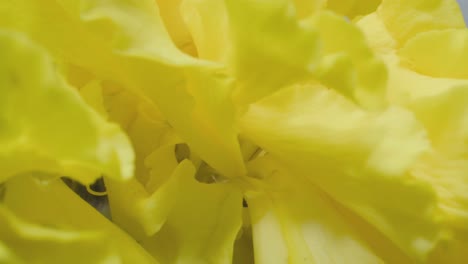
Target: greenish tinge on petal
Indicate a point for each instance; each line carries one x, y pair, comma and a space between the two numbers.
305, 8
360, 159
298, 222
406, 18
142, 210
126, 42
353, 8
448, 53
7, 256
362, 75
202, 226
46, 126
172, 16
270, 49
207, 21
243, 247
44, 221
92, 94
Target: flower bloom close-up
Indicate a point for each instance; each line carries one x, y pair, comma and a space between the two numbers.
233, 131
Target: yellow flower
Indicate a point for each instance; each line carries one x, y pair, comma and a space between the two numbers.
236, 131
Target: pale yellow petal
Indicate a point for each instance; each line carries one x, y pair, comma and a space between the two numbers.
442, 53
406, 18
358, 158
293, 221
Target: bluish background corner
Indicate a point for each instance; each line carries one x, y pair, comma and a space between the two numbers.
464, 8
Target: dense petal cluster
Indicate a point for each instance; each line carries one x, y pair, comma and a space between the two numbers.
233, 131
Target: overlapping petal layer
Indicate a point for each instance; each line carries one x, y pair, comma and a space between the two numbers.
296, 220
202, 225
41, 116
46, 222
125, 41
330, 182
360, 159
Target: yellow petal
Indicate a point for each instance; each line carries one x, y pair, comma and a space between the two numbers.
293, 221
45, 124
170, 11
377, 35
441, 53
46, 222
207, 21
346, 54
353, 8
141, 211
406, 18
6, 256
194, 95
439, 103
306, 8
269, 50
92, 94
360, 159
202, 226
338, 126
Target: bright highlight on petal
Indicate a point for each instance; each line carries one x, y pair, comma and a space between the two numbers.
299, 222
305, 128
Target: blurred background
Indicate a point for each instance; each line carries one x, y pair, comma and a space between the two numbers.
464, 8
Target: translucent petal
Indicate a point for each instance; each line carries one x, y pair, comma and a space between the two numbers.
194, 95
46, 125
269, 50
359, 159
448, 50
346, 54
46, 222
406, 18
293, 221
202, 226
